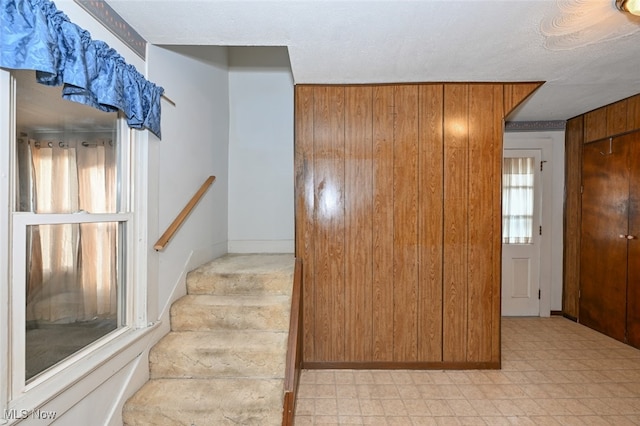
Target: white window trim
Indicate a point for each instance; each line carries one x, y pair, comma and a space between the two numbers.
7, 123
61, 377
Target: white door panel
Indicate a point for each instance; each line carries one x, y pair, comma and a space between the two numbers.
521, 260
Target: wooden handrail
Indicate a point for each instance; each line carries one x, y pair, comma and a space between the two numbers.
294, 348
177, 222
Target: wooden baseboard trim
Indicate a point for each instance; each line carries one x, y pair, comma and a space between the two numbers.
556, 313
384, 365
569, 317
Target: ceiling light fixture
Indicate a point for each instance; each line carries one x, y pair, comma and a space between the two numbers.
631, 6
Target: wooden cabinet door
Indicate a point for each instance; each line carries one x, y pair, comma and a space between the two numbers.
633, 257
603, 263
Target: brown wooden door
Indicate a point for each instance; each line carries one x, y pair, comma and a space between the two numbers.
633, 255
603, 263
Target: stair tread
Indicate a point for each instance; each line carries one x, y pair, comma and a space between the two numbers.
224, 361
238, 264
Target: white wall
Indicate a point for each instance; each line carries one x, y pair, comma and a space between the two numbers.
554, 166
194, 146
261, 176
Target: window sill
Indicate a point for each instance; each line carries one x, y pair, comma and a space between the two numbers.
100, 362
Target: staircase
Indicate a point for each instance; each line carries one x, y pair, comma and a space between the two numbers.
223, 362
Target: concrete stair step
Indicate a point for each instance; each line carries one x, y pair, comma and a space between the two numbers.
243, 274
204, 354
207, 312
206, 402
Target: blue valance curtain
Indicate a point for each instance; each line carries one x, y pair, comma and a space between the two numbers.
37, 36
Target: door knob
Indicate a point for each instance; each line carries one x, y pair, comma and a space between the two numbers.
623, 236
631, 237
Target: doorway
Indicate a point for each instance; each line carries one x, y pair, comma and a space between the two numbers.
526, 249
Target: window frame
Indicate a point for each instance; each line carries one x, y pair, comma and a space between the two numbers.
536, 155
15, 394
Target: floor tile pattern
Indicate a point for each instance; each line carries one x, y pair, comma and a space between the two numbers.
554, 372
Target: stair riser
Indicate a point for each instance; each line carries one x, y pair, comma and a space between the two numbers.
203, 318
218, 417
228, 284
224, 361
206, 403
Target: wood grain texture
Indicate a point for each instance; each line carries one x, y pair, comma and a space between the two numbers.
603, 250
358, 222
293, 361
633, 113
480, 280
572, 216
430, 221
595, 125
383, 247
616, 118
405, 223
183, 215
398, 223
496, 290
514, 94
633, 254
455, 239
329, 223
305, 206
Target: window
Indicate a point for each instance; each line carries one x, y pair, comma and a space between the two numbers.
71, 224
517, 200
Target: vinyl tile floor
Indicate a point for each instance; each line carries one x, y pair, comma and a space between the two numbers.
554, 372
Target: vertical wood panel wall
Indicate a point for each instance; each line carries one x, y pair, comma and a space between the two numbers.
572, 215
608, 121
398, 222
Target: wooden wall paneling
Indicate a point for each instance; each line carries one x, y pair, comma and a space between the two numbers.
616, 118
480, 260
329, 223
514, 94
595, 125
572, 216
633, 113
398, 221
456, 190
305, 206
358, 262
430, 222
405, 223
383, 297
498, 153
633, 255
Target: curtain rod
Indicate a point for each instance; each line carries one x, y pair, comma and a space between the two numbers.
165, 97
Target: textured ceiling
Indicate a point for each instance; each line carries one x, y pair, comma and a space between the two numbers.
586, 51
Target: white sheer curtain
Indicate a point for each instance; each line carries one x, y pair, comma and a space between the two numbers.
71, 268
96, 177
517, 200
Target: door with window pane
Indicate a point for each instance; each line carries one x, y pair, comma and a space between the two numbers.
521, 220
69, 224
